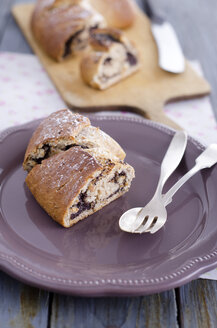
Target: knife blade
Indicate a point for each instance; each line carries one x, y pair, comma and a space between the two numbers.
170, 55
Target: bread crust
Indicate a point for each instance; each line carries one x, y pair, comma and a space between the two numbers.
55, 23
89, 68
118, 13
59, 125
64, 128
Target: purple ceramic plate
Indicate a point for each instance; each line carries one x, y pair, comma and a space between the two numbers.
94, 257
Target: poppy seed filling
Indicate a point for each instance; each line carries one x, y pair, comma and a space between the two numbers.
69, 42
83, 205
47, 149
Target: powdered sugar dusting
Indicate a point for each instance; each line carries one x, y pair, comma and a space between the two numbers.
74, 165
60, 124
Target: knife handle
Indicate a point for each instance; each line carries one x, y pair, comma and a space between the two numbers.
152, 14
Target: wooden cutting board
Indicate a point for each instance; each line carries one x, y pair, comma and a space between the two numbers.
145, 92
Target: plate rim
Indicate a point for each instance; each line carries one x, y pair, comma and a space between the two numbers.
192, 268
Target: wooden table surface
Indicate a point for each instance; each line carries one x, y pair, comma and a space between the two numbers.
192, 305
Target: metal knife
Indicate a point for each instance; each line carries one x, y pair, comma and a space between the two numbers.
170, 55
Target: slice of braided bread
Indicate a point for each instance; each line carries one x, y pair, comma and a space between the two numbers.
74, 169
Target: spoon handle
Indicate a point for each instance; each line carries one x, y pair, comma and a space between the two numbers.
172, 158
205, 160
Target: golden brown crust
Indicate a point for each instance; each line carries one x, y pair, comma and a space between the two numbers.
63, 129
58, 180
89, 67
54, 23
59, 125
118, 13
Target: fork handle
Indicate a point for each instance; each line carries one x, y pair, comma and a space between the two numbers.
206, 159
167, 198
172, 158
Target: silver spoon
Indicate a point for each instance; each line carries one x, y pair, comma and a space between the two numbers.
155, 216
129, 221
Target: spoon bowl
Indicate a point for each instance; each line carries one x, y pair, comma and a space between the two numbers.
127, 219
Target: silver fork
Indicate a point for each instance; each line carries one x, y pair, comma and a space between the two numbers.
154, 214
129, 221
